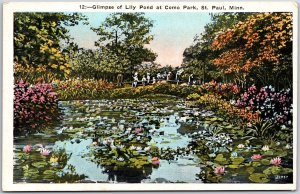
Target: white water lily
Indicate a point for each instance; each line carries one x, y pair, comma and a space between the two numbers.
132, 147
241, 146
265, 148
288, 146
138, 148
278, 143
122, 146
120, 159
94, 143
147, 148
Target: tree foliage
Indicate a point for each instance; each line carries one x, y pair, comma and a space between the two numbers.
244, 48
42, 44
262, 44
122, 40
197, 57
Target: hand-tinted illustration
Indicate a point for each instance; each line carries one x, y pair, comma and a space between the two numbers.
153, 97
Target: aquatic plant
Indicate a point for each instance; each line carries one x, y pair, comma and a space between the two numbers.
219, 170
256, 157
265, 148
27, 148
276, 161
45, 152
155, 161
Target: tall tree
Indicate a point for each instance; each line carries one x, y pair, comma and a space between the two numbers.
42, 44
198, 57
122, 40
258, 49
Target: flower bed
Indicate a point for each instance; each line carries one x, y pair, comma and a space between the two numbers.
34, 106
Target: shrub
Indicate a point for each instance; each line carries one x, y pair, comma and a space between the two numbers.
93, 89
34, 106
74, 89
273, 106
225, 90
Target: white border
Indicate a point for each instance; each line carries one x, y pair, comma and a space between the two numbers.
7, 152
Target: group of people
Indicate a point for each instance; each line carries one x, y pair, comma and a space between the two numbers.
146, 79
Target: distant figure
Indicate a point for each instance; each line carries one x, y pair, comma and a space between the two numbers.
148, 78
144, 81
169, 76
158, 76
177, 77
120, 79
190, 82
135, 80
153, 80
165, 75
178, 73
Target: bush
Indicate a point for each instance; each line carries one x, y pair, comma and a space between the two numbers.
225, 90
74, 89
34, 106
273, 106
92, 89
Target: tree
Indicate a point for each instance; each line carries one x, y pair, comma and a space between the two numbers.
86, 64
198, 57
122, 40
258, 49
42, 44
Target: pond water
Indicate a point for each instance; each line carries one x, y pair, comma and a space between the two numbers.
113, 141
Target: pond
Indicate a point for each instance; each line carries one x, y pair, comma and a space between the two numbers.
113, 141
166, 140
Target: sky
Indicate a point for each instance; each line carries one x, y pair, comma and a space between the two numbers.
173, 33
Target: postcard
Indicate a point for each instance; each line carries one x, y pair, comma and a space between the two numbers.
141, 96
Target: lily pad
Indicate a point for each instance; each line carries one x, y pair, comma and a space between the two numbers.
259, 178
269, 153
49, 172
39, 164
233, 166
265, 162
250, 170
237, 160
256, 164
286, 170
220, 158
272, 170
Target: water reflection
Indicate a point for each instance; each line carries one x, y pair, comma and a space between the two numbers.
114, 141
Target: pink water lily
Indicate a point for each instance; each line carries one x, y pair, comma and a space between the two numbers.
219, 170
27, 148
276, 161
45, 152
155, 161
256, 157
138, 130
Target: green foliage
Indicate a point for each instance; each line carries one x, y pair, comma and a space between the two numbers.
40, 169
259, 178
92, 89
197, 57
122, 40
261, 130
38, 44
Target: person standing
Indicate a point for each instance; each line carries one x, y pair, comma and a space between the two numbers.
144, 80
135, 80
190, 82
158, 76
119, 79
169, 76
153, 80
148, 78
